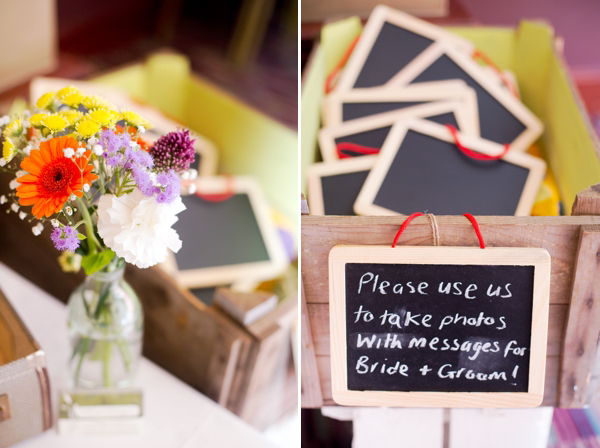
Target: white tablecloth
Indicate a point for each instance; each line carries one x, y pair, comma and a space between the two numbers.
175, 415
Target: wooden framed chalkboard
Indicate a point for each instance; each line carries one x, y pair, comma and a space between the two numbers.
438, 326
502, 117
334, 186
349, 105
390, 40
372, 131
420, 167
228, 239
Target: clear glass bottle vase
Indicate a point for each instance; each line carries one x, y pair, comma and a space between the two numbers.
105, 326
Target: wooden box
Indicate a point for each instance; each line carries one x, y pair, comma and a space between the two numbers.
572, 151
248, 370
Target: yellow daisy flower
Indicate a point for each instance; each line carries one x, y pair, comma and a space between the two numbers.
72, 99
55, 122
134, 119
87, 127
66, 91
36, 120
9, 150
95, 102
103, 117
14, 129
45, 100
72, 116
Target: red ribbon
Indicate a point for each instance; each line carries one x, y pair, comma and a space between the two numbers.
470, 217
474, 154
353, 147
486, 60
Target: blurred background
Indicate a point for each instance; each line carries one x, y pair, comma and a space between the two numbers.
247, 47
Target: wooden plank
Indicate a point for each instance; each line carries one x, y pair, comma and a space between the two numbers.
318, 316
550, 387
185, 337
558, 235
311, 394
587, 202
583, 324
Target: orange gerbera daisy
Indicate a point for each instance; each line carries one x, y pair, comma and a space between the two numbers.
52, 177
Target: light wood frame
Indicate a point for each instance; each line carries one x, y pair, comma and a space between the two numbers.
380, 15
533, 125
364, 202
457, 89
221, 275
162, 124
506, 256
467, 122
318, 171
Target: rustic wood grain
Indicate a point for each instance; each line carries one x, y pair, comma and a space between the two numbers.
587, 202
311, 394
583, 325
558, 235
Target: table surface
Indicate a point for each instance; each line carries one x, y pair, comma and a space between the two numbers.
175, 415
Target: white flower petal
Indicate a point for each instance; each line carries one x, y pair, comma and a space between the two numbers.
138, 228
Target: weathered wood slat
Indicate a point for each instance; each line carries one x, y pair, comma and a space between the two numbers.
311, 394
583, 328
587, 202
318, 313
558, 235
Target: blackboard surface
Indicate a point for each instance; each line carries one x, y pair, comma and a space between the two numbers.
340, 192
485, 334
496, 122
433, 175
393, 49
218, 233
206, 295
352, 111
374, 138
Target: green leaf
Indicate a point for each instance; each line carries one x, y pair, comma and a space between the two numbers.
81, 236
95, 262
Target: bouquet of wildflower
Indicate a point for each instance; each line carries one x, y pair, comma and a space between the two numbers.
84, 168
110, 198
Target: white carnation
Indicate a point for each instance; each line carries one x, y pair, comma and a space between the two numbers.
138, 228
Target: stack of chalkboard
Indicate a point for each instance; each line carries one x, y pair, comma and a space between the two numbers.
387, 146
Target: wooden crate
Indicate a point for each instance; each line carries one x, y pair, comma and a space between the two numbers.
573, 153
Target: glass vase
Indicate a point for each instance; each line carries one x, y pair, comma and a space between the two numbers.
105, 327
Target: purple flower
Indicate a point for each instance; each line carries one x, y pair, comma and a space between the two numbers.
174, 151
144, 181
170, 186
65, 238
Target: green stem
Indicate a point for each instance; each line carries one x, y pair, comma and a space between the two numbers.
106, 362
125, 353
85, 346
89, 226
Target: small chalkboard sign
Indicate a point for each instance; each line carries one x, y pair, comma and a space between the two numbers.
228, 235
373, 130
502, 117
391, 40
349, 105
420, 167
334, 186
438, 326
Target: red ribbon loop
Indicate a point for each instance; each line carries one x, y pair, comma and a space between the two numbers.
470, 217
474, 154
329, 82
353, 147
